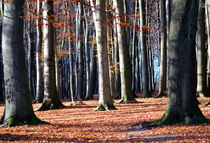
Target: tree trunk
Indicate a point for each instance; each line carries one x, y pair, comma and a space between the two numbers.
1, 60
201, 52
18, 107
79, 45
208, 35
105, 98
124, 57
51, 98
163, 53
145, 68
182, 104
39, 59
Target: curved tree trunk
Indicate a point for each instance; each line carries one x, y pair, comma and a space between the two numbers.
51, 98
18, 107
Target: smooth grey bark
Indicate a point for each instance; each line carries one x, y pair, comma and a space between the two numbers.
208, 35
51, 98
79, 48
145, 65
99, 16
39, 59
163, 53
1, 60
124, 57
201, 52
18, 105
182, 105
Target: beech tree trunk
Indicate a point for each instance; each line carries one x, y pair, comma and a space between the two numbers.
99, 15
145, 65
51, 98
39, 59
208, 35
124, 57
201, 52
163, 53
182, 104
18, 106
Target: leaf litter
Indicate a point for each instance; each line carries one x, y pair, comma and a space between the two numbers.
79, 123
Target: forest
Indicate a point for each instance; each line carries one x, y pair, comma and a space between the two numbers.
105, 70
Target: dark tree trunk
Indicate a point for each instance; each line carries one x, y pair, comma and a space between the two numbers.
201, 52
18, 106
182, 104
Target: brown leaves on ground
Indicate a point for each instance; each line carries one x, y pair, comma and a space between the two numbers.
79, 123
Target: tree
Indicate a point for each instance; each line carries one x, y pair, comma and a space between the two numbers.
163, 48
124, 57
39, 58
208, 35
51, 98
99, 16
1, 64
201, 52
182, 104
18, 106
145, 66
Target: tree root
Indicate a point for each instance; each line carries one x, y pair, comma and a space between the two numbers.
161, 94
172, 119
101, 107
207, 104
127, 101
201, 94
16, 121
51, 106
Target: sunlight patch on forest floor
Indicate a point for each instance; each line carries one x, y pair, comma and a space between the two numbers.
79, 123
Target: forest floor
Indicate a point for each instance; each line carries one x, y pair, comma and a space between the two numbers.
79, 123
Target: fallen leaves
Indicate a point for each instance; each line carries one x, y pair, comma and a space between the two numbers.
79, 123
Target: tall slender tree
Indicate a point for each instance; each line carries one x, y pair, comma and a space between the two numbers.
39, 59
51, 98
99, 15
163, 48
201, 52
18, 107
143, 36
124, 57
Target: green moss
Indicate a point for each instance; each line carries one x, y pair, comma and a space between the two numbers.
15, 121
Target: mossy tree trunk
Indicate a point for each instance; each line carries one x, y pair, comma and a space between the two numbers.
201, 52
18, 105
51, 98
182, 104
124, 57
99, 15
